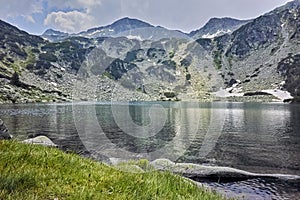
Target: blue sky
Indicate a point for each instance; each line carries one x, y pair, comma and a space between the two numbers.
35, 16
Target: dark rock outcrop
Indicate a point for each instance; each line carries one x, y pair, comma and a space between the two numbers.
4, 133
289, 68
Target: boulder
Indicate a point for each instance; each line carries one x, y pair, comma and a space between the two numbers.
201, 171
41, 140
232, 82
4, 133
196, 172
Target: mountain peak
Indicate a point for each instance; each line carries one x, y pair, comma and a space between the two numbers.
135, 23
291, 4
218, 26
54, 35
119, 26
224, 19
126, 19
53, 32
288, 6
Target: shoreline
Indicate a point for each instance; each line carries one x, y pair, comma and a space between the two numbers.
232, 99
192, 173
90, 179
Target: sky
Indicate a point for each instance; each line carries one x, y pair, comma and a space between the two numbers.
35, 16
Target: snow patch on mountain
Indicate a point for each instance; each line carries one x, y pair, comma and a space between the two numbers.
218, 33
134, 37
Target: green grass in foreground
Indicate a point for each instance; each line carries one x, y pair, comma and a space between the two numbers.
36, 172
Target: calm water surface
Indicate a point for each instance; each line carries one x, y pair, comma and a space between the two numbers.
262, 138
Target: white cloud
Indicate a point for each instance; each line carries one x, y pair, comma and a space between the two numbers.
81, 18
24, 8
73, 21
75, 4
15, 8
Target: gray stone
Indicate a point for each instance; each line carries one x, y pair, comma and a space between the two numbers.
41, 140
4, 133
202, 171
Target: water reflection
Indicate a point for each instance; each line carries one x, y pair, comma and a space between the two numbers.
255, 137
258, 189
170, 142
263, 138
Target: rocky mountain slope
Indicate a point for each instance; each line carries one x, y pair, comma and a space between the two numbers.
218, 26
252, 53
133, 60
19, 51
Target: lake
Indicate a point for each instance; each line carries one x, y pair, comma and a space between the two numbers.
256, 137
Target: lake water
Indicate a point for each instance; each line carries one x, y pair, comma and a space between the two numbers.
256, 137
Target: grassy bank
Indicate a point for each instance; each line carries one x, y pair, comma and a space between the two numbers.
36, 172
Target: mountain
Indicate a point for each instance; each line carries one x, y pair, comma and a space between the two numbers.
53, 35
36, 70
122, 25
218, 26
258, 57
291, 5
137, 29
11, 35
13, 44
19, 51
252, 53
32, 69
125, 27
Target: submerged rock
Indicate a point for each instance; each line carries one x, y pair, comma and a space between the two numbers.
4, 133
196, 172
201, 171
41, 140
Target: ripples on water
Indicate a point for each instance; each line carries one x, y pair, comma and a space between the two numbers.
261, 138
259, 189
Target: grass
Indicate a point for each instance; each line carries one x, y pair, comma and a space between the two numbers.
217, 59
37, 172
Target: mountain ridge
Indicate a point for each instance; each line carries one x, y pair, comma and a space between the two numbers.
261, 55
123, 26
218, 26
